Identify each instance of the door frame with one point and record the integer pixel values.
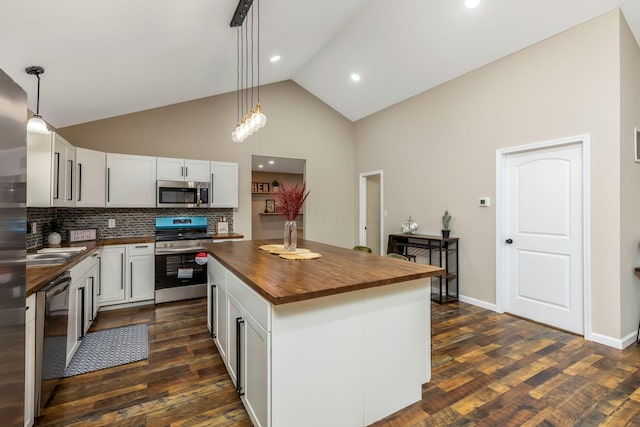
(501, 216)
(362, 233)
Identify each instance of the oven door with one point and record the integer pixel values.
(180, 269)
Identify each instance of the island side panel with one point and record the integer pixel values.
(350, 359)
(397, 340)
(317, 354)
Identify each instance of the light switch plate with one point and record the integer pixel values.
(484, 202)
(112, 223)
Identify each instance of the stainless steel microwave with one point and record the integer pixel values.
(182, 194)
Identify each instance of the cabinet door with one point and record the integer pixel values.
(90, 304)
(30, 362)
(75, 325)
(141, 278)
(170, 169)
(91, 175)
(234, 316)
(112, 280)
(131, 181)
(59, 172)
(39, 170)
(71, 178)
(255, 376)
(221, 323)
(196, 170)
(224, 185)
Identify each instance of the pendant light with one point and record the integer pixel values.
(36, 124)
(249, 119)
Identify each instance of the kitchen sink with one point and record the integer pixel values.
(49, 258)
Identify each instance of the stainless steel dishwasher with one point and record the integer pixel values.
(52, 314)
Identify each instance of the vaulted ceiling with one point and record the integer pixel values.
(105, 58)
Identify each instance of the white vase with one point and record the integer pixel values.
(54, 239)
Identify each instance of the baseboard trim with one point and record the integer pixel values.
(620, 344)
(477, 302)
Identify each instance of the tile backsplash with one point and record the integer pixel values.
(130, 222)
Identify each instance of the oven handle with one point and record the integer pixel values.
(169, 251)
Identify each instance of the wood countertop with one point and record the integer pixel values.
(38, 276)
(282, 281)
(224, 236)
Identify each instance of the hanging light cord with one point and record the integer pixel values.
(237, 74)
(258, 51)
(38, 98)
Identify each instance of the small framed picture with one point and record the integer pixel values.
(270, 206)
(636, 144)
(222, 227)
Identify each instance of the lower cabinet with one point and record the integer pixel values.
(126, 274)
(243, 341)
(85, 279)
(30, 362)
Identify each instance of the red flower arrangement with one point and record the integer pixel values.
(289, 199)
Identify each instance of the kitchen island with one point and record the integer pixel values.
(340, 340)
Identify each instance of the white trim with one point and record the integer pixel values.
(477, 302)
(362, 234)
(501, 160)
(618, 343)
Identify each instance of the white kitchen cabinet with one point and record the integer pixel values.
(141, 284)
(51, 178)
(91, 178)
(256, 360)
(234, 325)
(131, 181)
(127, 274)
(30, 362)
(217, 305)
(75, 325)
(224, 185)
(249, 347)
(171, 169)
(112, 275)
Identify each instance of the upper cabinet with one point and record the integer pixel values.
(51, 177)
(91, 178)
(131, 181)
(170, 169)
(224, 185)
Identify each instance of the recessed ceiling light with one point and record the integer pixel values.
(471, 4)
(355, 77)
(271, 162)
(275, 58)
(260, 166)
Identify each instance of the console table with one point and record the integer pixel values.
(441, 251)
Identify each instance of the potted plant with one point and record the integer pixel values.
(275, 185)
(55, 227)
(288, 203)
(446, 224)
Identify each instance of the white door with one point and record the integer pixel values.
(543, 241)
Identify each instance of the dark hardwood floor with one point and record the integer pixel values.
(488, 370)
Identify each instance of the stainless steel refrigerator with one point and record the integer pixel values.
(13, 221)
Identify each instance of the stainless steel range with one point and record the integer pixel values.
(178, 274)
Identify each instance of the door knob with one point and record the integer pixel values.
(508, 241)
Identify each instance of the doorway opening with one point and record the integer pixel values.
(371, 222)
(265, 172)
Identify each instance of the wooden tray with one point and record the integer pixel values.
(302, 256)
(279, 249)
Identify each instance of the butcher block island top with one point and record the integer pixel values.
(339, 270)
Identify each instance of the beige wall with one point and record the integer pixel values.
(629, 181)
(299, 126)
(272, 226)
(438, 150)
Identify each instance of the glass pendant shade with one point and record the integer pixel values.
(37, 125)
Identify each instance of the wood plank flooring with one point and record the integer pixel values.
(488, 370)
